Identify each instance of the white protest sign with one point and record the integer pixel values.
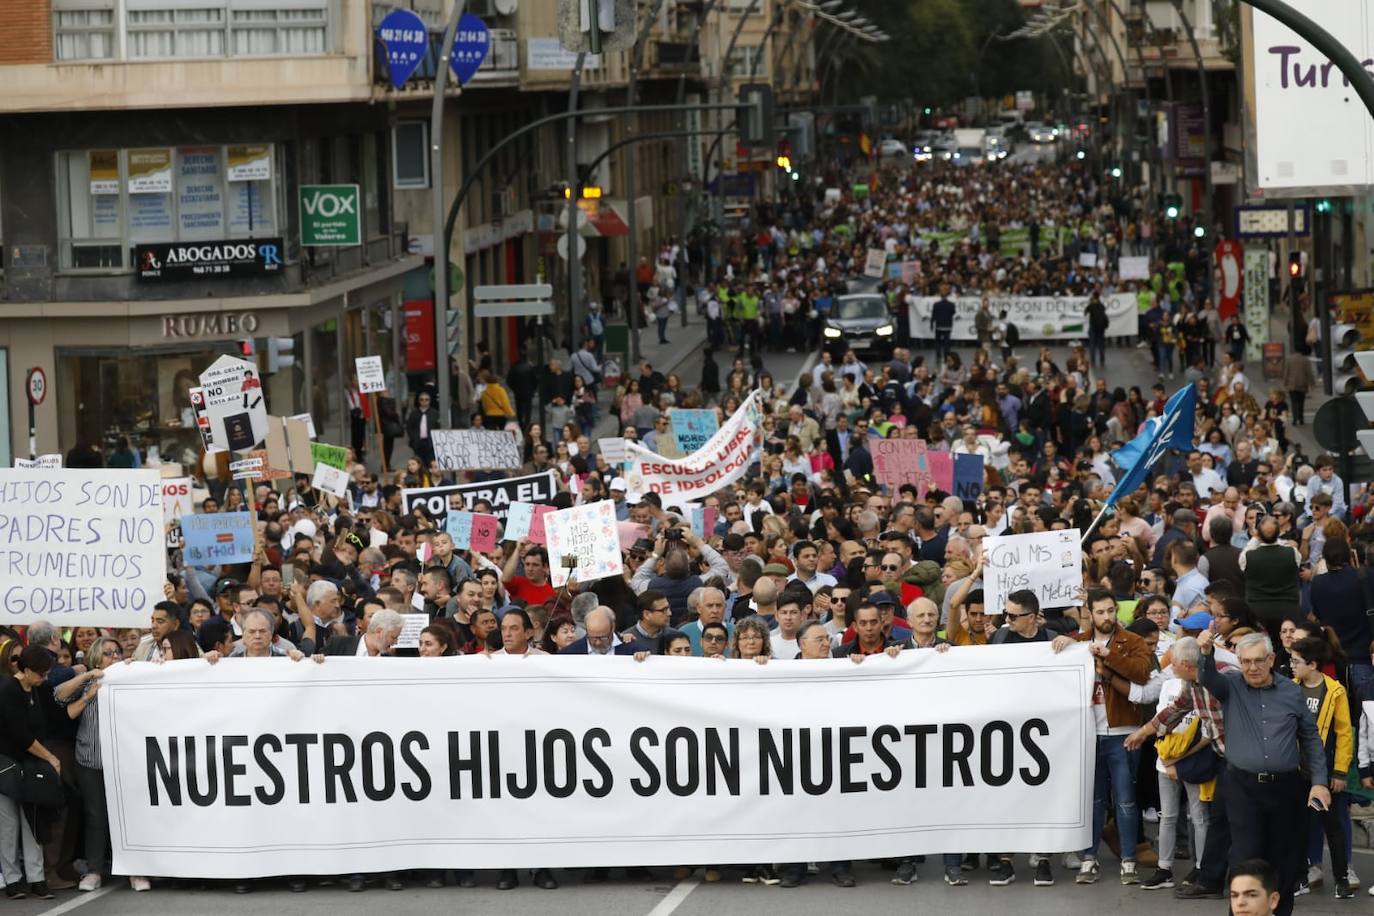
(371, 376)
(1005, 761)
(463, 449)
(234, 403)
(613, 450)
(1087, 259)
(589, 533)
(330, 480)
(1035, 317)
(1134, 267)
(1048, 563)
(308, 420)
(176, 498)
(874, 262)
(411, 625)
(82, 547)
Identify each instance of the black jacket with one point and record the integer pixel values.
(341, 645)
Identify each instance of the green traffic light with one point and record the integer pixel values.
(1324, 205)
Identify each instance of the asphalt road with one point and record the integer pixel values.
(875, 895)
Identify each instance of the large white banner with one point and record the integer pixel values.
(81, 547)
(717, 464)
(1035, 317)
(259, 767)
(1311, 130)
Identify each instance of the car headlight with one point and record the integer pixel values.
(885, 331)
(833, 333)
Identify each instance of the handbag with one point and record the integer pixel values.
(31, 782)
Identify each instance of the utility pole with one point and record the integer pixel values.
(441, 238)
(574, 195)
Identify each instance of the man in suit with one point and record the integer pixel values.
(601, 638)
(382, 631)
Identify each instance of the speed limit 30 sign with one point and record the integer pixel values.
(37, 385)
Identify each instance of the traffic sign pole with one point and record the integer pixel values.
(37, 384)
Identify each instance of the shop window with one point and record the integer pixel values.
(410, 154)
(110, 200)
(83, 29)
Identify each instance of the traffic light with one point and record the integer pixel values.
(1173, 205)
(785, 163)
(755, 117)
(1365, 360)
(1199, 231)
(280, 353)
(246, 348)
(1324, 205)
(1295, 265)
(1344, 339)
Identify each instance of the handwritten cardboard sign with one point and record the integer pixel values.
(465, 449)
(1048, 563)
(588, 533)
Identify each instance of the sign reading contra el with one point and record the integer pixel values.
(331, 214)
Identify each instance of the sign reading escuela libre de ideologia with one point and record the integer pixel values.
(197, 260)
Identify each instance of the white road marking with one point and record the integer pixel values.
(668, 904)
(82, 900)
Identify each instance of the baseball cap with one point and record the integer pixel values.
(224, 583)
(877, 599)
(776, 569)
(618, 483)
(1197, 621)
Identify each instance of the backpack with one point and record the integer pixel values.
(1012, 336)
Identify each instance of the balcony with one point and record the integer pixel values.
(676, 55)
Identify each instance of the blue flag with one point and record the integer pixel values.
(1173, 430)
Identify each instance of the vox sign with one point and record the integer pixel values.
(331, 214)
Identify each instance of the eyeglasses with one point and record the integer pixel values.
(1010, 616)
(713, 637)
(886, 568)
(110, 653)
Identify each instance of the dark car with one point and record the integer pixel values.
(859, 322)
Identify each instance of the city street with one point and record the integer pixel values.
(874, 896)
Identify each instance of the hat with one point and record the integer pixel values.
(642, 545)
(223, 584)
(618, 483)
(878, 599)
(1200, 620)
(776, 569)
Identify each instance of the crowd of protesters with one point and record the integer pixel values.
(1233, 578)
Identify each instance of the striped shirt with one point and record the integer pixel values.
(87, 729)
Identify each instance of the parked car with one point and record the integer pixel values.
(891, 148)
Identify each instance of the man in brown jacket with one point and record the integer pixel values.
(1298, 378)
(1117, 653)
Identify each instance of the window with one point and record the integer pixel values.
(83, 29)
(742, 62)
(410, 154)
(171, 29)
(110, 200)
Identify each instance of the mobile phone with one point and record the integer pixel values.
(288, 574)
(1316, 805)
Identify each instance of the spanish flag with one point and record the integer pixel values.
(865, 144)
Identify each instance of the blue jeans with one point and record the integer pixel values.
(1114, 778)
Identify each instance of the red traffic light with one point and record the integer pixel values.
(246, 349)
(1295, 264)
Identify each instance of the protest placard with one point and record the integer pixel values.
(613, 450)
(999, 753)
(330, 479)
(371, 376)
(266, 471)
(901, 461)
(968, 477)
(176, 498)
(941, 466)
(537, 534)
(412, 625)
(873, 263)
(589, 534)
(1048, 563)
(1134, 267)
(501, 494)
(307, 420)
(704, 520)
(629, 532)
(518, 521)
(692, 429)
(246, 468)
(485, 529)
(336, 456)
(40, 463)
(82, 547)
(459, 527)
(470, 449)
(719, 463)
(217, 537)
(234, 403)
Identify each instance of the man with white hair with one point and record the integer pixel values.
(323, 617)
(382, 631)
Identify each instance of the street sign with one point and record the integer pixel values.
(404, 39)
(514, 300)
(470, 46)
(38, 386)
(234, 403)
(563, 246)
(371, 376)
(331, 214)
(1269, 221)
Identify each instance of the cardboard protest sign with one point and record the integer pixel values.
(968, 477)
(468, 449)
(941, 470)
(266, 471)
(502, 494)
(537, 534)
(40, 463)
(246, 468)
(459, 527)
(704, 520)
(518, 521)
(216, 538)
(692, 429)
(371, 376)
(1048, 563)
(485, 529)
(412, 625)
(307, 421)
(82, 547)
(873, 263)
(234, 403)
(589, 534)
(901, 461)
(176, 498)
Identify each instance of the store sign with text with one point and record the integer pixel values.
(198, 260)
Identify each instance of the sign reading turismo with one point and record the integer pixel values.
(197, 260)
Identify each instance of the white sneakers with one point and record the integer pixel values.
(139, 883)
(89, 882)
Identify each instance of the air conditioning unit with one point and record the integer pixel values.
(489, 9)
(505, 50)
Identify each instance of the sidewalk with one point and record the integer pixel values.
(683, 343)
